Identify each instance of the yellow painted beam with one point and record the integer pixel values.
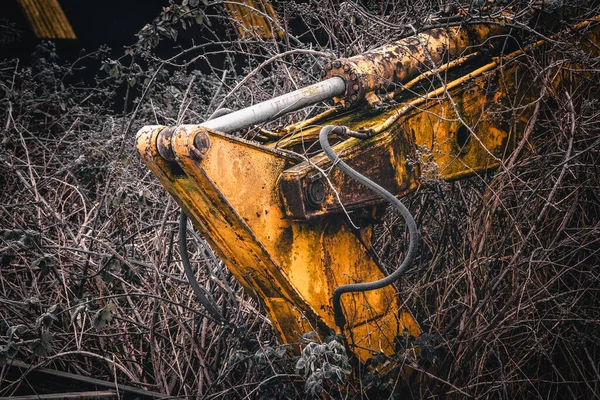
(47, 19)
(254, 19)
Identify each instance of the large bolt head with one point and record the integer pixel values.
(164, 144)
(201, 145)
(315, 193)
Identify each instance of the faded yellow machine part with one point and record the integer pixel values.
(254, 19)
(382, 68)
(250, 202)
(461, 129)
(47, 19)
(292, 266)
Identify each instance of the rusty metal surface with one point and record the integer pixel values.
(379, 69)
(433, 128)
(231, 194)
(451, 133)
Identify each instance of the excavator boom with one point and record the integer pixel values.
(275, 216)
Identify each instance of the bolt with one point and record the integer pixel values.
(355, 87)
(353, 77)
(346, 68)
(201, 145)
(315, 193)
(337, 64)
(329, 66)
(164, 144)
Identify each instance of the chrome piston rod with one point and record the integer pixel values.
(267, 110)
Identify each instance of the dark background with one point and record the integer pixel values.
(110, 22)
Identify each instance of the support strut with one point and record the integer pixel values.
(278, 106)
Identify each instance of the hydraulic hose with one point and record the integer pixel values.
(340, 319)
(200, 293)
(208, 304)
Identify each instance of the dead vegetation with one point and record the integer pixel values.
(91, 279)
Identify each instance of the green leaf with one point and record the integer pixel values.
(44, 263)
(200, 18)
(104, 316)
(111, 270)
(310, 337)
(301, 364)
(43, 347)
(328, 370)
(8, 351)
(114, 72)
(16, 330)
(120, 196)
(46, 319)
(32, 302)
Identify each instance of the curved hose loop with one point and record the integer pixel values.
(340, 319)
(201, 295)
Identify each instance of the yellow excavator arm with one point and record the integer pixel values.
(276, 217)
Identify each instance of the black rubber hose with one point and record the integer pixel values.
(207, 303)
(340, 319)
(203, 299)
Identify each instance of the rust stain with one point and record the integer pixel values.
(379, 69)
